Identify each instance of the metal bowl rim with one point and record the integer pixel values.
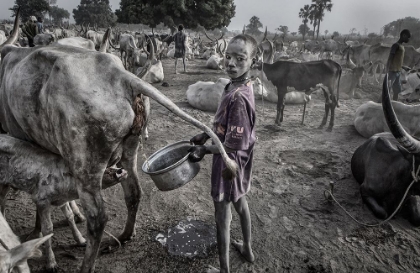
(167, 169)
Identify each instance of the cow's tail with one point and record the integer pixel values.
(340, 70)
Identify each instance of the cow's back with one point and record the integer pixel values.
(57, 95)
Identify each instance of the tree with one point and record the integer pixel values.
(352, 31)
(30, 8)
(209, 14)
(326, 32)
(284, 30)
(336, 34)
(395, 27)
(305, 13)
(293, 34)
(372, 35)
(319, 7)
(58, 14)
(303, 29)
(254, 26)
(94, 12)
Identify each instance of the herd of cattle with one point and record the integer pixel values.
(77, 105)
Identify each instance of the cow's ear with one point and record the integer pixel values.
(404, 152)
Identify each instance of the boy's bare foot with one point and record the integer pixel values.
(211, 269)
(246, 253)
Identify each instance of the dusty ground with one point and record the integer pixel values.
(294, 228)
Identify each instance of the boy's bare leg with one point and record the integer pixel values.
(241, 207)
(183, 61)
(223, 217)
(176, 62)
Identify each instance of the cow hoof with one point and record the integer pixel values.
(329, 129)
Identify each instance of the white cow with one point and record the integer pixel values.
(44, 39)
(369, 118)
(206, 96)
(77, 42)
(13, 254)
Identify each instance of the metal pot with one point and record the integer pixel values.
(170, 167)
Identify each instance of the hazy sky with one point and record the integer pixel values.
(346, 14)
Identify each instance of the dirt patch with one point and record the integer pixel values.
(294, 228)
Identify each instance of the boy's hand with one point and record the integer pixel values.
(199, 139)
(197, 153)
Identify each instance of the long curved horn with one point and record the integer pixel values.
(243, 30)
(145, 50)
(265, 35)
(349, 62)
(205, 33)
(15, 32)
(408, 142)
(139, 86)
(152, 50)
(105, 41)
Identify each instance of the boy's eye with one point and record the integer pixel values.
(240, 59)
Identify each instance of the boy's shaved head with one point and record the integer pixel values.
(247, 40)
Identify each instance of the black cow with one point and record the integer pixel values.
(303, 77)
(383, 165)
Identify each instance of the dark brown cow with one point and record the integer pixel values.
(303, 77)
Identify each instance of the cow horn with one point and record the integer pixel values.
(145, 50)
(152, 50)
(243, 30)
(349, 62)
(265, 35)
(15, 32)
(408, 142)
(205, 33)
(105, 41)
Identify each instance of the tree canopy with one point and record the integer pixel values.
(30, 8)
(305, 14)
(319, 7)
(210, 14)
(94, 12)
(303, 30)
(58, 14)
(395, 27)
(254, 26)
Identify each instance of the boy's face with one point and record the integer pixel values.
(405, 38)
(238, 59)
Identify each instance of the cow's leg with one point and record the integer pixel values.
(324, 119)
(68, 213)
(131, 186)
(79, 217)
(371, 202)
(280, 107)
(412, 210)
(331, 125)
(89, 190)
(44, 211)
(36, 232)
(375, 67)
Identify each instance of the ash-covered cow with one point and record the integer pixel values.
(13, 254)
(369, 118)
(206, 96)
(82, 105)
(383, 167)
(49, 182)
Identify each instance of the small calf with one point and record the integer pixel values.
(46, 177)
(13, 254)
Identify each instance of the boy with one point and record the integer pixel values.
(180, 40)
(234, 124)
